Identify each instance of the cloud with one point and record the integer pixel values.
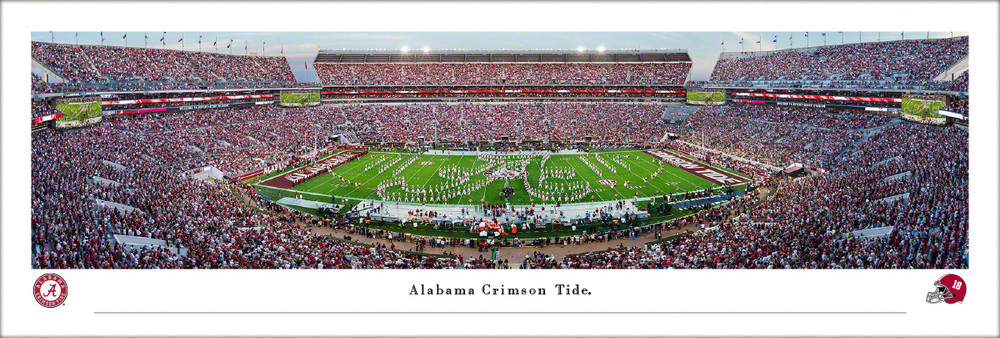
(747, 36)
(298, 50)
(372, 36)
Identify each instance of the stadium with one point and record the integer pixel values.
(841, 156)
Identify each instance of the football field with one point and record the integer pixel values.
(76, 111)
(300, 99)
(707, 98)
(475, 179)
(922, 107)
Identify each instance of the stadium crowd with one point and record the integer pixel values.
(71, 229)
(445, 74)
(958, 105)
(185, 105)
(959, 84)
(40, 109)
(123, 176)
(782, 135)
(907, 176)
(110, 68)
(803, 226)
(863, 65)
(234, 140)
(606, 92)
(605, 123)
(85, 63)
(151, 86)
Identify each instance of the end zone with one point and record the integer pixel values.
(293, 178)
(696, 168)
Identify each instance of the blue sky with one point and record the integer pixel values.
(301, 47)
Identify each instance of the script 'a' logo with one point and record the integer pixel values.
(50, 290)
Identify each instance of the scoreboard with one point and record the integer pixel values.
(924, 108)
(706, 97)
(299, 98)
(78, 111)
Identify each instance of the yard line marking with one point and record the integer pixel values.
(652, 180)
(401, 161)
(599, 177)
(371, 177)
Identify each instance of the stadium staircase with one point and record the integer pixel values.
(48, 71)
(39, 127)
(254, 60)
(665, 136)
(954, 71)
(894, 158)
(757, 163)
(114, 165)
(867, 133)
(118, 206)
(215, 76)
(353, 138)
(90, 64)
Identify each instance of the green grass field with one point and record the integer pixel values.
(76, 111)
(300, 99)
(711, 98)
(422, 173)
(922, 108)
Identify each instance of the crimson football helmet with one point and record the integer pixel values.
(950, 289)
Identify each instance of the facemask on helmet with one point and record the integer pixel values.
(939, 294)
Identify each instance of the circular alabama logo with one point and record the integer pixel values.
(505, 173)
(426, 163)
(50, 290)
(607, 182)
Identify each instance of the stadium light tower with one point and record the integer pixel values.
(579, 49)
(426, 49)
(600, 49)
(404, 49)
